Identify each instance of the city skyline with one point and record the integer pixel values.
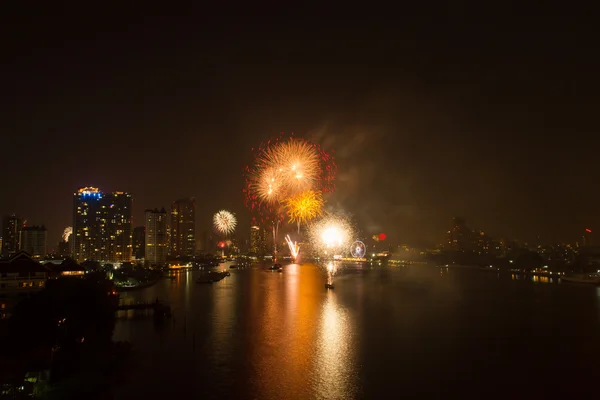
(583, 237)
(426, 122)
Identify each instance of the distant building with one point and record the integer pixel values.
(157, 244)
(64, 249)
(34, 241)
(139, 242)
(258, 245)
(183, 228)
(11, 235)
(101, 226)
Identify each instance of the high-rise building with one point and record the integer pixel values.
(183, 228)
(11, 234)
(258, 245)
(101, 225)
(139, 242)
(157, 243)
(34, 241)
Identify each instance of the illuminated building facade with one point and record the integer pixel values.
(11, 235)
(157, 243)
(139, 242)
(101, 226)
(258, 244)
(34, 240)
(183, 228)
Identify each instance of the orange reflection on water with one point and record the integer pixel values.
(333, 373)
(287, 316)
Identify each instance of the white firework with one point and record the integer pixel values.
(67, 233)
(224, 222)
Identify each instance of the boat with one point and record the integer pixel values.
(329, 286)
(233, 266)
(276, 267)
(593, 278)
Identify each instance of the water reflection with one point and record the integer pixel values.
(333, 361)
(265, 335)
(532, 278)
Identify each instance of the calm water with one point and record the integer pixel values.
(383, 332)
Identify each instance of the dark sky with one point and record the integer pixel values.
(488, 114)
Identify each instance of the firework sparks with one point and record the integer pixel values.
(298, 162)
(224, 222)
(67, 233)
(331, 235)
(304, 207)
(331, 271)
(294, 247)
(285, 167)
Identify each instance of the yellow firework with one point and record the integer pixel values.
(304, 207)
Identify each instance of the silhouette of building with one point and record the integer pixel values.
(183, 228)
(34, 241)
(157, 244)
(11, 235)
(64, 249)
(102, 226)
(139, 242)
(21, 274)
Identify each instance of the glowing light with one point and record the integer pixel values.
(382, 236)
(304, 207)
(67, 233)
(588, 230)
(221, 245)
(358, 249)
(331, 271)
(331, 234)
(224, 222)
(294, 247)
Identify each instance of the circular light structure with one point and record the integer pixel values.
(382, 236)
(358, 249)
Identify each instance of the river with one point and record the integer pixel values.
(383, 332)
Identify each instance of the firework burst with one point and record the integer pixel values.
(304, 207)
(298, 163)
(284, 167)
(224, 222)
(67, 233)
(331, 235)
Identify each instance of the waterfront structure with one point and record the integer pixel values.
(22, 274)
(139, 242)
(65, 269)
(11, 235)
(183, 228)
(157, 244)
(34, 240)
(102, 225)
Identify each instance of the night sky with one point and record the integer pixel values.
(488, 114)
